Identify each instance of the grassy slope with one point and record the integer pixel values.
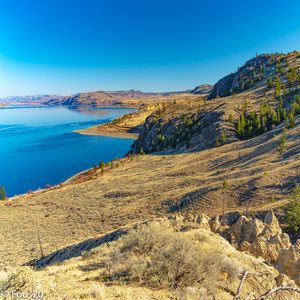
(154, 185)
(149, 185)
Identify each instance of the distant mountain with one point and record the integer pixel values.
(96, 98)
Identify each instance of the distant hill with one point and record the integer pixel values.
(95, 98)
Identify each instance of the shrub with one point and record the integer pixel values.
(225, 184)
(223, 137)
(157, 256)
(18, 280)
(278, 87)
(282, 145)
(2, 193)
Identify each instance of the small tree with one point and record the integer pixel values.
(278, 87)
(2, 193)
(270, 82)
(225, 184)
(292, 120)
(102, 170)
(282, 145)
(142, 152)
(223, 137)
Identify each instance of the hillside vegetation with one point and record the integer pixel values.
(235, 152)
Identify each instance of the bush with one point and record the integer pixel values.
(157, 256)
(18, 280)
(2, 193)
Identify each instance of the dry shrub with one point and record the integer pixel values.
(157, 256)
(193, 293)
(17, 280)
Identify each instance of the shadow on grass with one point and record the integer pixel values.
(76, 250)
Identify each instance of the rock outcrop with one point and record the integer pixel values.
(259, 238)
(244, 78)
(288, 261)
(202, 89)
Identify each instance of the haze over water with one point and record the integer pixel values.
(38, 145)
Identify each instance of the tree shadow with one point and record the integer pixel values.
(76, 250)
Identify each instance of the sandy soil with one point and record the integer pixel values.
(119, 132)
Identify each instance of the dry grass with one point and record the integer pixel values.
(156, 260)
(148, 186)
(157, 256)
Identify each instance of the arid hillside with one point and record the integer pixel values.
(138, 187)
(234, 153)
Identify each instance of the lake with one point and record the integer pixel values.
(38, 145)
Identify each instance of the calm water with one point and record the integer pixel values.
(38, 145)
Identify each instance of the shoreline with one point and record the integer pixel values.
(106, 129)
(111, 131)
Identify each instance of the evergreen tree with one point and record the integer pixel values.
(292, 75)
(278, 87)
(280, 110)
(270, 82)
(2, 193)
(223, 137)
(292, 120)
(282, 145)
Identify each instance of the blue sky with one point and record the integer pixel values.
(69, 46)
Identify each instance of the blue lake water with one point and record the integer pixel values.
(38, 145)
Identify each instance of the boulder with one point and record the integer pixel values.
(284, 280)
(273, 222)
(246, 230)
(215, 224)
(288, 262)
(203, 221)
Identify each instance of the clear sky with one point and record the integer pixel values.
(68, 46)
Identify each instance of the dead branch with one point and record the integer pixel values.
(249, 296)
(238, 292)
(278, 289)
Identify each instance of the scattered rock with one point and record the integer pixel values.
(203, 221)
(215, 224)
(271, 220)
(288, 262)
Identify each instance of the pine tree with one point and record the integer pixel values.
(223, 137)
(270, 82)
(282, 145)
(239, 128)
(280, 110)
(278, 87)
(2, 193)
(292, 121)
